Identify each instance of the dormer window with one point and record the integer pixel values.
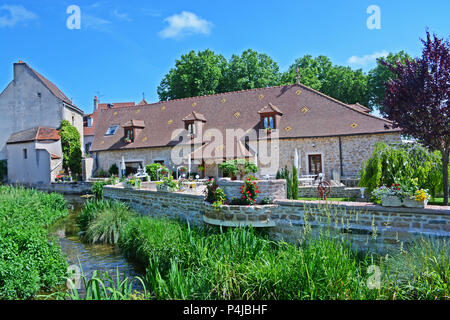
(192, 129)
(269, 122)
(132, 129)
(129, 135)
(270, 117)
(193, 123)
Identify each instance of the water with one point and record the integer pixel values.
(100, 257)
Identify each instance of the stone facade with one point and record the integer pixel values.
(143, 156)
(367, 226)
(355, 150)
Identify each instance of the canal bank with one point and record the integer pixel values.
(90, 257)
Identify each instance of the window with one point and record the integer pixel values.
(89, 122)
(315, 163)
(112, 130)
(73, 120)
(159, 161)
(87, 147)
(269, 122)
(25, 154)
(129, 135)
(191, 128)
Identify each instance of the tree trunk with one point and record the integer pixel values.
(445, 156)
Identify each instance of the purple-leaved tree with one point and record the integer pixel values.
(417, 99)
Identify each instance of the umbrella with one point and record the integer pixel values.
(189, 165)
(256, 159)
(122, 166)
(296, 159)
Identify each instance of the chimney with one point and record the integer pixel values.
(95, 103)
(18, 68)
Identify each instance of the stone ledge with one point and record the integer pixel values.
(364, 207)
(232, 223)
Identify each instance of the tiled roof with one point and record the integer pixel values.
(194, 116)
(33, 134)
(306, 113)
(134, 123)
(270, 108)
(90, 131)
(220, 152)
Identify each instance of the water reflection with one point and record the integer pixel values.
(100, 257)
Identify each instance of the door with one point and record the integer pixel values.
(315, 163)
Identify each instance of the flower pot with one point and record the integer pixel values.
(412, 203)
(161, 187)
(391, 201)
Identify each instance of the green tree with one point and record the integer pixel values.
(71, 147)
(339, 82)
(313, 71)
(194, 74)
(250, 70)
(381, 74)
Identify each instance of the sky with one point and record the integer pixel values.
(121, 50)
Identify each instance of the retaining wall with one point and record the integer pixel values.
(274, 189)
(336, 192)
(367, 226)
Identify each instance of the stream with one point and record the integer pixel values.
(100, 257)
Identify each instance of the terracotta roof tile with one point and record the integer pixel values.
(325, 116)
(33, 134)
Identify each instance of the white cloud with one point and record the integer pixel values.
(367, 59)
(121, 16)
(92, 22)
(184, 24)
(16, 14)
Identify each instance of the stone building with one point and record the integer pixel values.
(329, 136)
(30, 107)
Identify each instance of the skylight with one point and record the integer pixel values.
(112, 130)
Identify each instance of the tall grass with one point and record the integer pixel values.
(241, 263)
(104, 220)
(101, 287)
(29, 259)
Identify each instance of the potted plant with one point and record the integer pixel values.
(127, 140)
(418, 200)
(269, 130)
(389, 196)
(167, 184)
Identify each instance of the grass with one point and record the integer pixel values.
(29, 259)
(436, 201)
(103, 221)
(241, 263)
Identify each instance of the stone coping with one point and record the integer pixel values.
(225, 223)
(228, 181)
(367, 206)
(177, 194)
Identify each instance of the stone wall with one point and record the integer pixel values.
(367, 226)
(336, 192)
(355, 150)
(179, 206)
(274, 189)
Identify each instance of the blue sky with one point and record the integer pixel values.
(124, 48)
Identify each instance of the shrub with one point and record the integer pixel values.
(401, 162)
(294, 183)
(97, 189)
(152, 170)
(266, 200)
(114, 170)
(104, 220)
(29, 261)
(101, 173)
(249, 191)
(241, 166)
(210, 190)
(71, 147)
